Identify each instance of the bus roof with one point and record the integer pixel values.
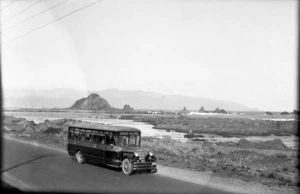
(100, 126)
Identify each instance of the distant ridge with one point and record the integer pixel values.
(150, 100)
(64, 98)
(92, 102)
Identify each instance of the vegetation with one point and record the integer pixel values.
(275, 167)
(219, 126)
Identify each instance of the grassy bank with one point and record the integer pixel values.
(270, 167)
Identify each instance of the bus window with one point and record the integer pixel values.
(130, 140)
(122, 140)
(98, 139)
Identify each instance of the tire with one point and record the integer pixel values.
(79, 157)
(127, 167)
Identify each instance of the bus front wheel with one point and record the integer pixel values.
(79, 157)
(127, 167)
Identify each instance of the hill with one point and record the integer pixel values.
(92, 102)
(150, 100)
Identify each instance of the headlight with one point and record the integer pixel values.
(136, 154)
(150, 154)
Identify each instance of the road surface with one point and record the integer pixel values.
(40, 169)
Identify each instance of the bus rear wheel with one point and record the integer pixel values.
(79, 157)
(127, 167)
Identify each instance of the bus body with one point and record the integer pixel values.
(110, 145)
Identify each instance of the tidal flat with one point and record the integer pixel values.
(225, 126)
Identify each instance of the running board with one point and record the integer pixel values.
(112, 165)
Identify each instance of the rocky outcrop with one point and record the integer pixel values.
(284, 113)
(184, 111)
(18, 125)
(275, 144)
(92, 102)
(220, 111)
(217, 110)
(127, 108)
(202, 110)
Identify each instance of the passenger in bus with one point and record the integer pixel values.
(101, 140)
(125, 141)
(82, 137)
(95, 139)
(88, 138)
(110, 140)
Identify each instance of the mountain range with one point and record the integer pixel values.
(138, 99)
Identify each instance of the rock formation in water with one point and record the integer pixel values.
(92, 102)
(127, 108)
(284, 113)
(220, 111)
(202, 109)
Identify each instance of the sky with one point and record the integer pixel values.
(244, 51)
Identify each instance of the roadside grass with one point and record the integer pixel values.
(247, 165)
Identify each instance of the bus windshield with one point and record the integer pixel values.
(128, 140)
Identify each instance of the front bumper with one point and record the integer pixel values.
(149, 166)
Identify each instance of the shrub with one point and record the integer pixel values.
(51, 130)
(279, 155)
(284, 113)
(272, 175)
(224, 167)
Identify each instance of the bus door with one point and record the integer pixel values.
(110, 153)
(97, 147)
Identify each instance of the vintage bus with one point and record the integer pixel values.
(114, 146)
